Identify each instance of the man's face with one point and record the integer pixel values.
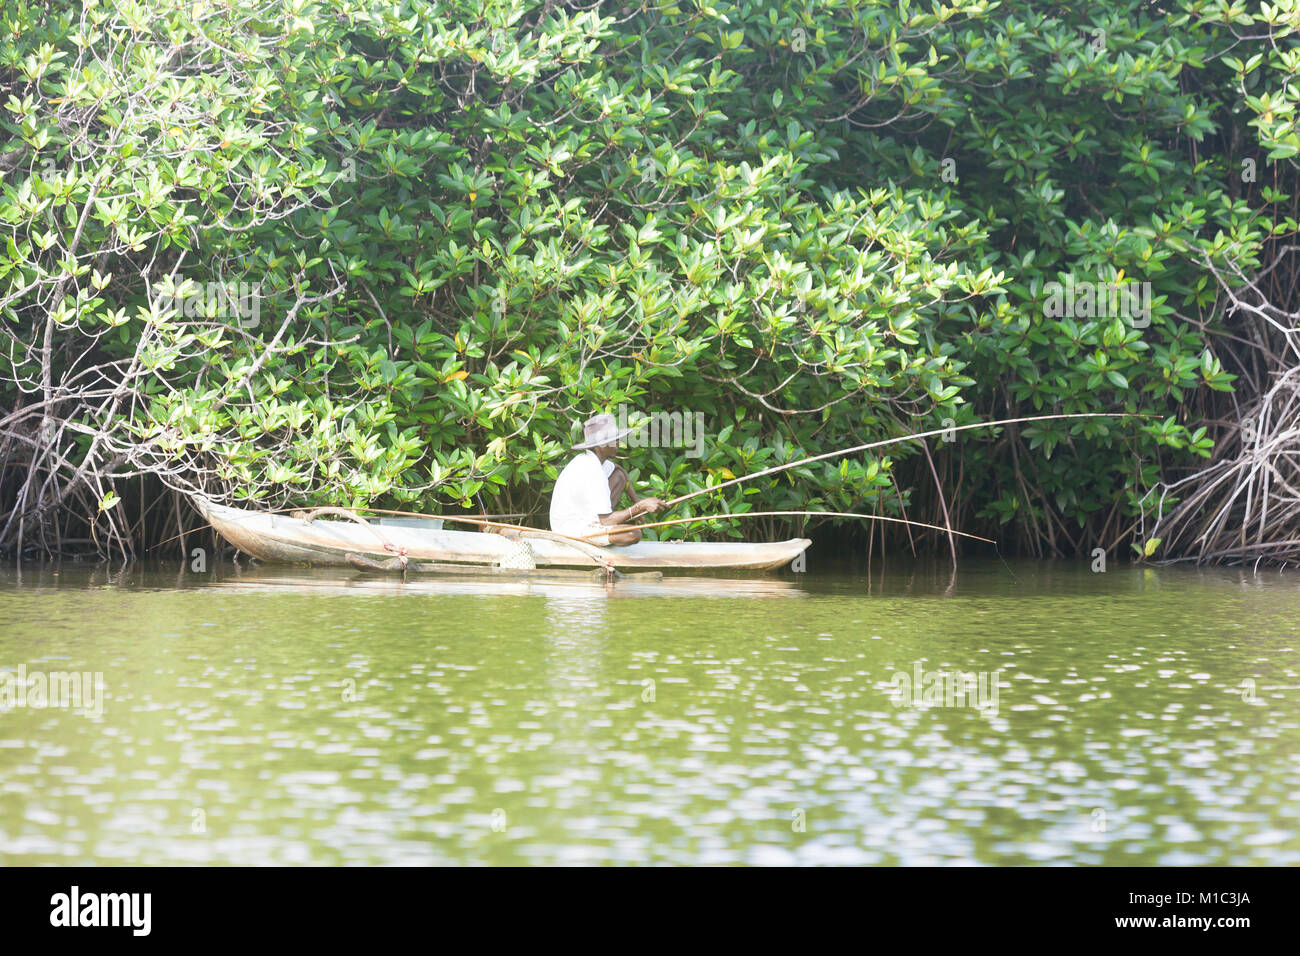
(606, 452)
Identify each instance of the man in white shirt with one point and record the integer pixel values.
(591, 484)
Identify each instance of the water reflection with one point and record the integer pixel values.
(1144, 716)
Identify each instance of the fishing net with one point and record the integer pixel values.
(519, 557)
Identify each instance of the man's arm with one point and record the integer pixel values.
(619, 482)
(620, 476)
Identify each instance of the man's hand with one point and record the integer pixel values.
(648, 506)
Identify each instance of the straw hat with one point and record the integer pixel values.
(601, 430)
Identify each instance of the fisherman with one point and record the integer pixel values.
(592, 484)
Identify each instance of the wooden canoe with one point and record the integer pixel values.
(427, 546)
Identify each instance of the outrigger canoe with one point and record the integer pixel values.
(422, 544)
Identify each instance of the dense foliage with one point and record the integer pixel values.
(463, 227)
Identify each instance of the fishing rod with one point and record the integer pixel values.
(769, 514)
(771, 471)
(893, 441)
(614, 529)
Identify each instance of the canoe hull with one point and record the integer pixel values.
(280, 538)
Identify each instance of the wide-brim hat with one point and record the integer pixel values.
(601, 430)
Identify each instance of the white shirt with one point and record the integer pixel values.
(581, 495)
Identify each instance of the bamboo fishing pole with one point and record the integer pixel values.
(770, 514)
(774, 470)
(614, 529)
(893, 441)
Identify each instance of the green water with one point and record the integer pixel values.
(285, 716)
